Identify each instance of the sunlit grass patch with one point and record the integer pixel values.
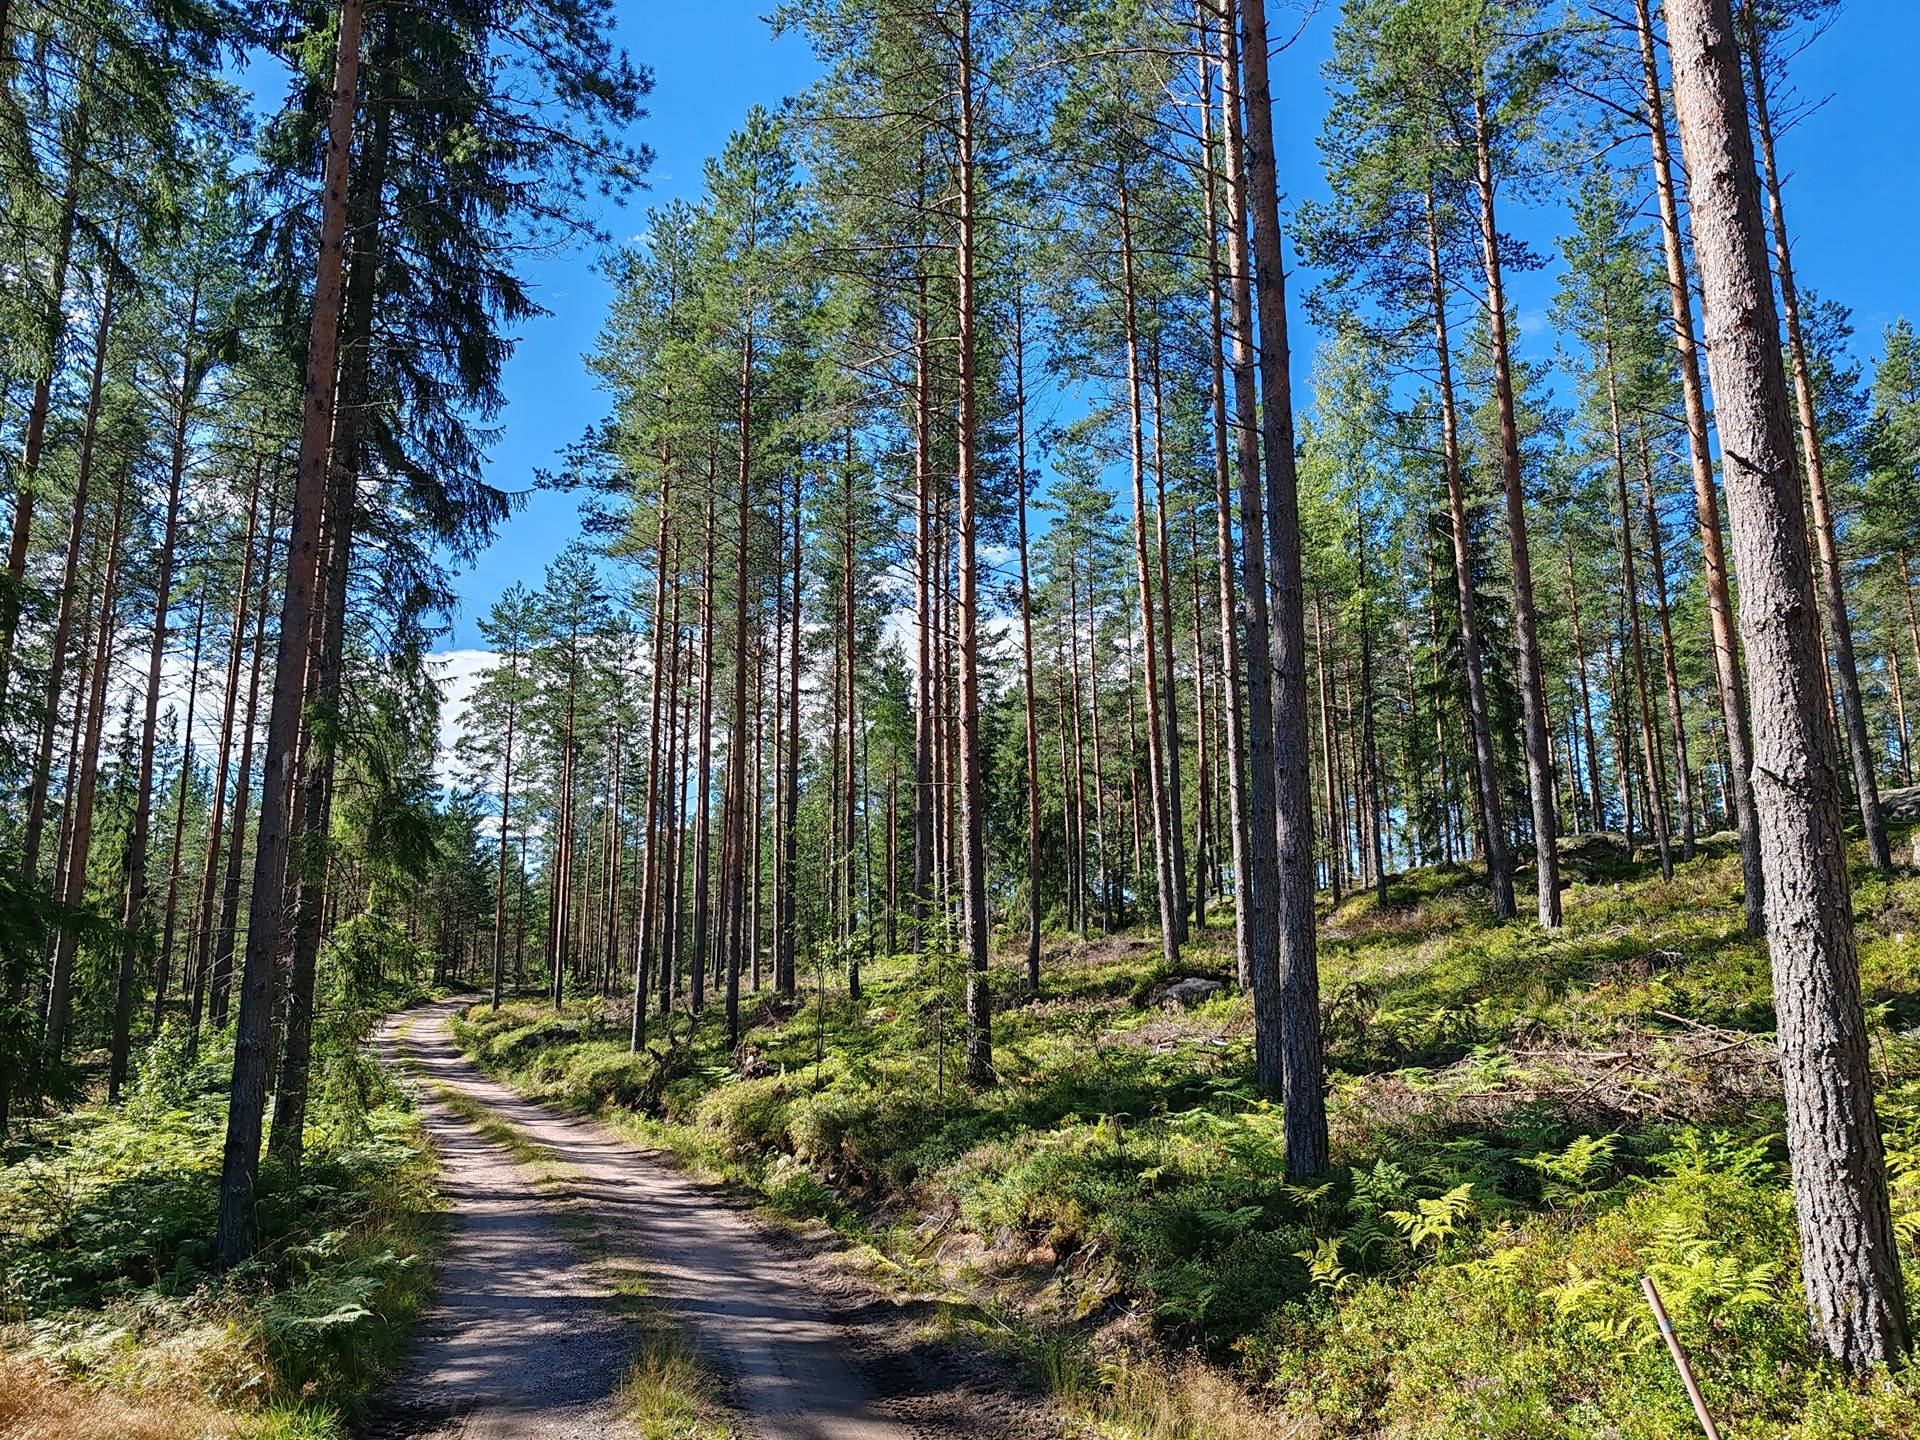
(669, 1393)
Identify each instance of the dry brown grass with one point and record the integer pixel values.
(37, 1403)
(1187, 1401)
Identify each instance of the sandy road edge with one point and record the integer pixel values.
(665, 1379)
(936, 1385)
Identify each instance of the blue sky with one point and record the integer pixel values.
(711, 61)
(1853, 208)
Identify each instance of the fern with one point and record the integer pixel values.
(1572, 1176)
(1324, 1267)
(1229, 1222)
(1435, 1221)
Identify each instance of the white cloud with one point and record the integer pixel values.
(458, 672)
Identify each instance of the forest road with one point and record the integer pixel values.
(524, 1342)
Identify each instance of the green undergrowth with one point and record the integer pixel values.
(114, 1317)
(1524, 1124)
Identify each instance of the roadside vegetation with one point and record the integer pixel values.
(115, 1317)
(1523, 1125)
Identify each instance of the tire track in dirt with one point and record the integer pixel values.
(522, 1341)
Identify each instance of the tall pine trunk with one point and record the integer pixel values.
(246, 1105)
(1586, 700)
(1630, 597)
(703, 771)
(1170, 742)
(506, 814)
(133, 933)
(1330, 780)
(1849, 1259)
(1258, 897)
(972, 769)
(220, 967)
(1493, 827)
(200, 941)
(1172, 918)
(38, 408)
(1302, 1084)
(311, 858)
(1669, 662)
(1832, 574)
(1229, 599)
(734, 866)
(925, 725)
(1729, 679)
(786, 967)
(1533, 701)
(72, 891)
(163, 966)
(1032, 725)
(650, 804)
(63, 616)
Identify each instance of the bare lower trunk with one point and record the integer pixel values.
(1630, 593)
(220, 967)
(1369, 744)
(1586, 699)
(1849, 1259)
(1032, 736)
(1170, 742)
(786, 978)
(72, 892)
(201, 943)
(703, 781)
(1330, 780)
(506, 812)
(183, 785)
(925, 729)
(1204, 780)
(650, 804)
(1669, 662)
(850, 707)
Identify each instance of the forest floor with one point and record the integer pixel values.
(586, 1282)
(114, 1319)
(1523, 1125)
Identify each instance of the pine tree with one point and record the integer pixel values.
(1848, 1257)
